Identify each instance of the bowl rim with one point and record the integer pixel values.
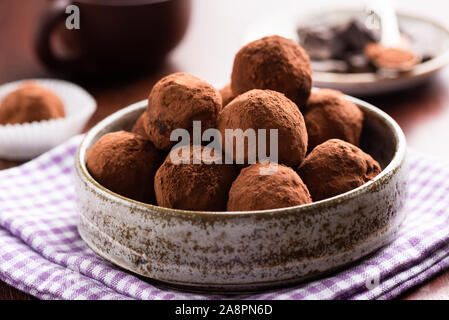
(395, 163)
(422, 70)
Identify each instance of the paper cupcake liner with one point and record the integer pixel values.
(28, 140)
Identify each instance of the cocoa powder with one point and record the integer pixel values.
(267, 109)
(191, 186)
(254, 191)
(125, 163)
(175, 102)
(139, 125)
(274, 63)
(329, 115)
(29, 103)
(335, 167)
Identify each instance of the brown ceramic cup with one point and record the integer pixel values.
(114, 35)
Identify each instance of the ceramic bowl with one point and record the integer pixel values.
(362, 84)
(245, 251)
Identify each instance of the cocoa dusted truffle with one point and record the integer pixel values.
(255, 191)
(138, 126)
(175, 102)
(196, 183)
(391, 58)
(29, 103)
(266, 109)
(329, 115)
(317, 96)
(335, 167)
(227, 95)
(125, 163)
(273, 63)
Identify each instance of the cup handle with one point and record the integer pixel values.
(54, 15)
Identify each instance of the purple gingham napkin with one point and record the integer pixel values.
(41, 252)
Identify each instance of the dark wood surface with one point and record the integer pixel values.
(207, 51)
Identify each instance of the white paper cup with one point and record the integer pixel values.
(28, 140)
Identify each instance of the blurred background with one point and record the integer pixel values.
(214, 33)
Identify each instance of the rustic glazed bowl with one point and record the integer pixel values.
(245, 251)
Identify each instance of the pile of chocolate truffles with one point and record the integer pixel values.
(318, 137)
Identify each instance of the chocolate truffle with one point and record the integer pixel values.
(125, 163)
(227, 95)
(335, 167)
(329, 115)
(175, 102)
(391, 58)
(138, 126)
(266, 109)
(273, 63)
(194, 184)
(255, 191)
(29, 103)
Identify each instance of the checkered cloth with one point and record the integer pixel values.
(41, 252)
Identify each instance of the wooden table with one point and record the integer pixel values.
(207, 51)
